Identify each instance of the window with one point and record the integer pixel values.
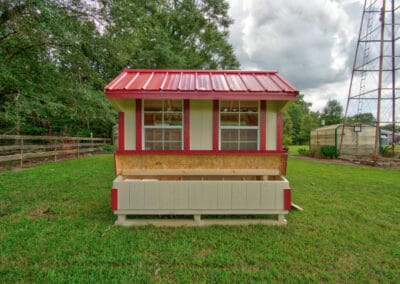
(239, 125)
(163, 124)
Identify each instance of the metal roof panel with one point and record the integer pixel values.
(219, 82)
(251, 83)
(155, 83)
(205, 84)
(172, 81)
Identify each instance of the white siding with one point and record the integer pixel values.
(130, 125)
(201, 125)
(175, 197)
(271, 125)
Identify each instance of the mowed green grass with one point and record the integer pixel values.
(56, 227)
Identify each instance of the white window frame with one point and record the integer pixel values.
(239, 127)
(162, 126)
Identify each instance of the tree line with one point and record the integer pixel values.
(299, 120)
(57, 55)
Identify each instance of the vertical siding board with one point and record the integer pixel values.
(151, 195)
(210, 196)
(129, 124)
(181, 196)
(166, 195)
(201, 125)
(137, 195)
(123, 196)
(253, 200)
(225, 196)
(268, 192)
(238, 196)
(271, 126)
(279, 198)
(195, 196)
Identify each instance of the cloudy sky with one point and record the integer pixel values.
(310, 42)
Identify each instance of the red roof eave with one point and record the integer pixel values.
(200, 84)
(198, 95)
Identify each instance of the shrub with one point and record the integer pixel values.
(328, 152)
(108, 148)
(303, 152)
(386, 151)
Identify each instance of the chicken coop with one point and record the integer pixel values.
(200, 143)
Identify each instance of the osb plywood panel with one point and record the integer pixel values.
(212, 161)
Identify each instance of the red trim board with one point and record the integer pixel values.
(263, 130)
(121, 131)
(138, 125)
(215, 125)
(201, 152)
(186, 125)
(279, 132)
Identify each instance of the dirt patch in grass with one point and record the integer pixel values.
(41, 212)
(382, 163)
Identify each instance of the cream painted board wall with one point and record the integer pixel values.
(272, 110)
(130, 124)
(224, 196)
(201, 125)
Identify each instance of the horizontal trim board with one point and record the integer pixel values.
(202, 96)
(202, 152)
(200, 172)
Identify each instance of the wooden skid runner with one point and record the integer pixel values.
(198, 222)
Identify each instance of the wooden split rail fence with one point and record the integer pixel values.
(25, 147)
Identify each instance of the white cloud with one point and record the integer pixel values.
(310, 42)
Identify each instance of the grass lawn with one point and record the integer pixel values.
(56, 226)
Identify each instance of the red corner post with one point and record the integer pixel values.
(215, 125)
(121, 131)
(279, 134)
(114, 199)
(287, 199)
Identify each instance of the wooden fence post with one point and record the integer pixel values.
(21, 152)
(78, 144)
(55, 150)
(91, 140)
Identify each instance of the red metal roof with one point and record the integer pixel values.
(200, 84)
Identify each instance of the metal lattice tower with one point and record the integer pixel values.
(374, 85)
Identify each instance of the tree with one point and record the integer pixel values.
(364, 118)
(56, 56)
(299, 121)
(332, 113)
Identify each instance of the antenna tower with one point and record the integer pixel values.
(374, 85)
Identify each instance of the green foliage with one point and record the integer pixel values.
(56, 226)
(386, 151)
(56, 56)
(299, 121)
(108, 148)
(332, 113)
(303, 152)
(364, 118)
(329, 152)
